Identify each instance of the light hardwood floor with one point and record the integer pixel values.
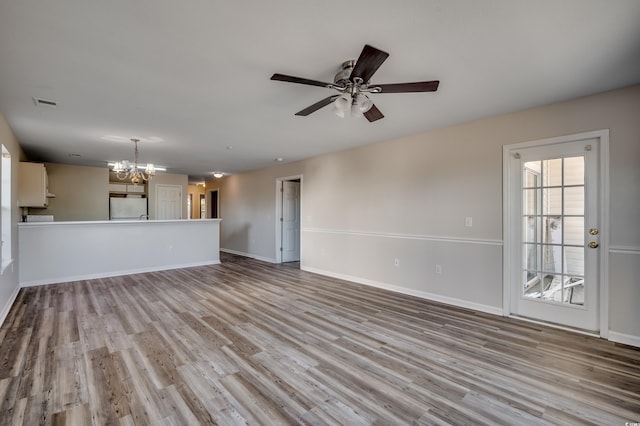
(247, 342)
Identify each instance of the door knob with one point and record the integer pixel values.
(593, 244)
(593, 231)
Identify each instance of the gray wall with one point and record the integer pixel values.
(82, 193)
(408, 198)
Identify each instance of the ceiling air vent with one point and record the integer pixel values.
(45, 103)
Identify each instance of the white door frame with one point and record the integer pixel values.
(279, 214)
(510, 227)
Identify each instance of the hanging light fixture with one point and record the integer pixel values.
(125, 170)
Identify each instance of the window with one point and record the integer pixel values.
(5, 210)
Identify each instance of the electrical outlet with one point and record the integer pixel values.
(438, 269)
(468, 221)
(396, 262)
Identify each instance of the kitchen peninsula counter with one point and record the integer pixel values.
(53, 252)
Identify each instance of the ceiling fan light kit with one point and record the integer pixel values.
(352, 81)
(347, 105)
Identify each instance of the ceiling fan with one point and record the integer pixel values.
(352, 81)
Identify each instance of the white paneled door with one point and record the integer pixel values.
(290, 221)
(168, 202)
(555, 232)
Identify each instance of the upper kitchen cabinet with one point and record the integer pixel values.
(33, 185)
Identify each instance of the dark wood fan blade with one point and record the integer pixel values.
(313, 108)
(373, 114)
(368, 63)
(299, 80)
(419, 86)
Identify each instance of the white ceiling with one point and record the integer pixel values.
(195, 73)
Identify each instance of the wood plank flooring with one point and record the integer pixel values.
(246, 342)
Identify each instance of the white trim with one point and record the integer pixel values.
(115, 273)
(7, 307)
(119, 222)
(603, 188)
(627, 339)
(278, 213)
(251, 256)
(403, 290)
(595, 134)
(507, 232)
(604, 231)
(445, 239)
(624, 250)
(556, 326)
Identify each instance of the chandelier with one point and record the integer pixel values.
(125, 170)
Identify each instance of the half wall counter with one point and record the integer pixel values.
(54, 252)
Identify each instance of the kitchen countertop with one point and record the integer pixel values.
(101, 222)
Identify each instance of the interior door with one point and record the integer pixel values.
(168, 202)
(290, 221)
(555, 275)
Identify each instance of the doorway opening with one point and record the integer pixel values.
(288, 222)
(213, 204)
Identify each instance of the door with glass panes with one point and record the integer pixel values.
(556, 238)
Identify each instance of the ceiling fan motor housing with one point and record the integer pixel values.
(342, 77)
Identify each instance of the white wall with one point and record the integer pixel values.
(70, 251)
(407, 199)
(9, 278)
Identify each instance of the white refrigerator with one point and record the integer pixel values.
(127, 208)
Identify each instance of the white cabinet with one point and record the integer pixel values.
(135, 189)
(33, 185)
(117, 187)
(123, 188)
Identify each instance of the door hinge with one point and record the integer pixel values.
(280, 248)
(281, 219)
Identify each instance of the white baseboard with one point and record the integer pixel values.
(114, 273)
(252, 256)
(7, 307)
(627, 339)
(417, 293)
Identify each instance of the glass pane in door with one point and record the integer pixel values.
(553, 230)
